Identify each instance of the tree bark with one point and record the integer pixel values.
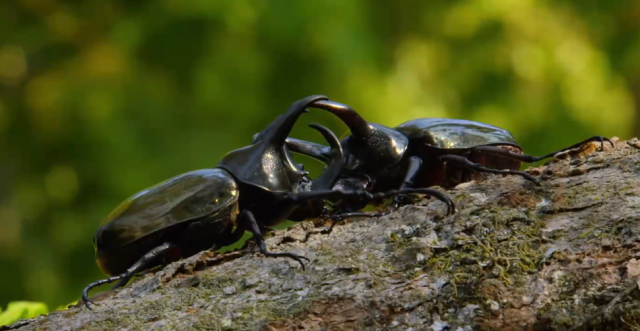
(513, 257)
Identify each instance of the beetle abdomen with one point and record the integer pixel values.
(209, 232)
(165, 213)
(180, 199)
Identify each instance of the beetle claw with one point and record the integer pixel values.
(87, 301)
(537, 182)
(602, 139)
(85, 297)
(298, 258)
(531, 178)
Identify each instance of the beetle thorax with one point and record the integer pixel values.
(376, 152)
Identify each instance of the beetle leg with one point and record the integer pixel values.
(414, 165)
(601, 139)
(366, 196)
(122, 282)
(530, 158)
(334, 195)
(142, 263)
(250, 223)
(338, 218)
(140, 274)
(236, 234)
(465, 163)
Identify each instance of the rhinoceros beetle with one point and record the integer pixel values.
(419, 153)
(251, 189)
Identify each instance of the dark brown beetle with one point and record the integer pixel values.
(251, 189)
(419, 153)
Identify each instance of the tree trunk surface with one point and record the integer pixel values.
(514, 257)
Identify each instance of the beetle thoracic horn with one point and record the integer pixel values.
(276, 133)
(332, 171)
(358, 126)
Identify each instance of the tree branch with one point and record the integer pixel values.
(514, 257)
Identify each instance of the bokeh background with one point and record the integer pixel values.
(100, 99)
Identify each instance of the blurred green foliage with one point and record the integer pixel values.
(21, 310)
(100, 99)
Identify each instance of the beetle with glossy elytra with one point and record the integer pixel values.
(253, 188)
(419, 153)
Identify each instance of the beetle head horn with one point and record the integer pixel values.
(358, 126)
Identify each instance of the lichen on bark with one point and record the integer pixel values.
(513, 257)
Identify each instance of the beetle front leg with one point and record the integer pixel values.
(414, 166)
(465, 163)
(365, 196)
(142, 263)
(250, 223)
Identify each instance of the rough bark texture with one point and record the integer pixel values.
(514, 257)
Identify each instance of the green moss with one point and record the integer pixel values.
(504, 243)
(585, 234)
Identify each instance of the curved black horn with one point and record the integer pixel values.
(332, 171)
(358, 126)
(254, 164)
(319, 152)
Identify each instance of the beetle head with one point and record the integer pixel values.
(370, 148)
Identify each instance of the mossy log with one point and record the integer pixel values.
(513, 257)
